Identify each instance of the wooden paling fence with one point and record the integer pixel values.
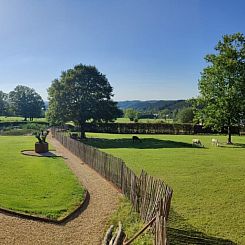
(150, 197)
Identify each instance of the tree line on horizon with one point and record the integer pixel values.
(84, 94)
(181, 114)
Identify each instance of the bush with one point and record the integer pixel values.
(15, 132)
(186, 115)
(23, 129)
(34, 126)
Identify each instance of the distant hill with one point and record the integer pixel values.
(149, 105)
(153, 105)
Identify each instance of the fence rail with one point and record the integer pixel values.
(149, 196)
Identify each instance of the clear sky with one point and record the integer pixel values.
(148, 49)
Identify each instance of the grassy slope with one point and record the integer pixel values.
(208, 182)
(41, 186)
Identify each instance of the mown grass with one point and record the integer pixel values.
(19, 119)
(44, 187)
(143, 120)
(208, 200)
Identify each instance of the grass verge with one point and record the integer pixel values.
(131, 223)
(43, 187)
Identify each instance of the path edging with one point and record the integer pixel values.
(48, 220)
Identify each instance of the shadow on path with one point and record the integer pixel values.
(78, 211)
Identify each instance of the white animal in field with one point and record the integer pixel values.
(215, 142)
(196, 142)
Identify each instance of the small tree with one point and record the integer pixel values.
(164, 114)
(3, 104)
(222, 85)
(26, 102)
(186, 115)
(131, 113)
(81, 94)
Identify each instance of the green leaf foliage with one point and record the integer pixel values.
(131, 113)
(81, 94)
(186, 115)
(3, 104)
(26, 102)
(222, 84)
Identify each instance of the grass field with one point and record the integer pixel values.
(208, 183)
(145, 120)
(19, 119)
(40, 186)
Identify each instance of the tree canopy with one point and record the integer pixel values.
(186, 115)
(131, 113)
(222, 85)
(26, 102)
(3, 103)
(81, 94)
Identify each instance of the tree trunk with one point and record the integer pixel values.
(229, 136)
(82, 131)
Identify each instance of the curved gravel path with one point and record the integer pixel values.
(87, 228)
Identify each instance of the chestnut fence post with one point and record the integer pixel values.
(149, 196)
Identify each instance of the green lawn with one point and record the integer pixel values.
(145, 120)
(126, 120)
(40, 186)
(208, 183)
(19, 119)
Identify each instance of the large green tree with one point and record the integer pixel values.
(26, 102)
(222, 85)
(81, 94)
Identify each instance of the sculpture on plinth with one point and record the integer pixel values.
(41, 146)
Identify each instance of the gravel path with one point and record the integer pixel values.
(87, 228)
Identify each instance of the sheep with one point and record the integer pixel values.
(197, 142)
(215, 142)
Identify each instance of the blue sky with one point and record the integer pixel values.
(148, 49)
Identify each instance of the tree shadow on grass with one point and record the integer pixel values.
(191, 237)
(234, 145)
(146, 143)
(187, 234)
